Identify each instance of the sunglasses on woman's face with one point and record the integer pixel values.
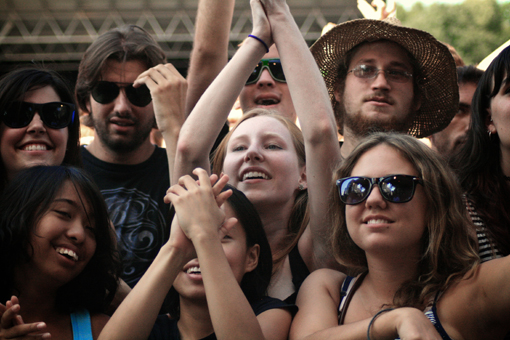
(106, 92)
(55, 115)
(274, 67)
(393, 188)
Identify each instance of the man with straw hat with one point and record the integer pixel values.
(382, 76)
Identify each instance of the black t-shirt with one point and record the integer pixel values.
(134, 196)
(166, 328)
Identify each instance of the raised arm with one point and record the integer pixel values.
(168, 90)
(207, 118)
(210, 46)
(315, 114)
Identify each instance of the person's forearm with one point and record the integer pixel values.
(136, 315)
(210, 46)
(212, 110)
(231, 314)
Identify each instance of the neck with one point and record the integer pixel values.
(195, 320)
(505, 161)
(37, 299)
(275, 220)
(136, 156)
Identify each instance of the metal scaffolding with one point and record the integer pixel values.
(61, 30)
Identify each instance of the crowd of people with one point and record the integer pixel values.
(319, 214)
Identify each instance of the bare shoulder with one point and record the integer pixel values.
(98, 321)
(324, 281)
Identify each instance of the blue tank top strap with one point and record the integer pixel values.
(431, 314)
(349, 286)
(82, 328)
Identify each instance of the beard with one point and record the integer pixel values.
(118, 142)
(361, 126)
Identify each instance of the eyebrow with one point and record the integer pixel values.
(392, 63)
(65, 200)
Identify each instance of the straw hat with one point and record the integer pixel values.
(438, 84)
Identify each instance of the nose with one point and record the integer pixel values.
(122, 104)
(380, 81)
(375, 199)
(253, 154)
(76, 231)
(36, 125)
(265, 79)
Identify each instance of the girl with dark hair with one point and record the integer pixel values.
(38, 122)
(402, 226)
(483, 164)
(57, 255)
(219, 263)
(264, 154)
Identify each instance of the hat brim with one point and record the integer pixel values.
(438, 84)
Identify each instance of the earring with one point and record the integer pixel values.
(489, 131)
(301, 187)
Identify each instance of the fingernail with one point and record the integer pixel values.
(41, 325)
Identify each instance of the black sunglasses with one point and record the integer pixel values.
(106, 92)
(55, 115)
(393, 188)
(275, 70)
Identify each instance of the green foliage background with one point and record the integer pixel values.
(475, 27)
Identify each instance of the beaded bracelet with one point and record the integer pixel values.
(375, 317)
(262, 41)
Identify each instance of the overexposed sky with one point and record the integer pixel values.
(407, 4)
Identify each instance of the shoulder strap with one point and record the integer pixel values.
(349, 287)
(82, 328)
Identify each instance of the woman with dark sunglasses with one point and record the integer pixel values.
(401, 227)
(38, 122)
(264, 153)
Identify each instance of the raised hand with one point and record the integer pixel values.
(261, 27)
(378, 9)
(197, 205)
(13, 327)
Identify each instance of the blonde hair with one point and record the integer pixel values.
(299, 216)
(448, 249)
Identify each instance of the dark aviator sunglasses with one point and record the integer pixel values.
(55, 115)
(393, 188)
(105, 92)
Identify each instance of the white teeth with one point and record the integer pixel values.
(68, 252)
(255, 174)
(35, 147)
(193, 270)
(379, 221)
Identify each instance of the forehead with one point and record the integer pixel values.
(272, 54)
(46, 94)
(262, 126)
(381, 53)
(122, 72)
(238, 228)
(71, 193)
(389, 162)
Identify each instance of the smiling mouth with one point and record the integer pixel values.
(67, 253)
(193, 270)
(35, 147)
(267, 101)
(377, 221)
(255, 175)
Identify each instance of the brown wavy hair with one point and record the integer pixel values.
(449, 249)
(299, 216)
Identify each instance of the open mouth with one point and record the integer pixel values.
(193, 270)
(67, 253)
(255, 175)
(267, 101)
(35, 147)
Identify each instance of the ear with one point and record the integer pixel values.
(252, 258)
(302, 178)
(489, 123)
(416, 104)
(338, 93)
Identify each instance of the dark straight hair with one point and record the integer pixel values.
(24, 202)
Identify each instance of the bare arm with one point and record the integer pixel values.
(210, 46)
(211, 111)
(313, 108)
(168, 90)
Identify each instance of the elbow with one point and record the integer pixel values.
(323, 131)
